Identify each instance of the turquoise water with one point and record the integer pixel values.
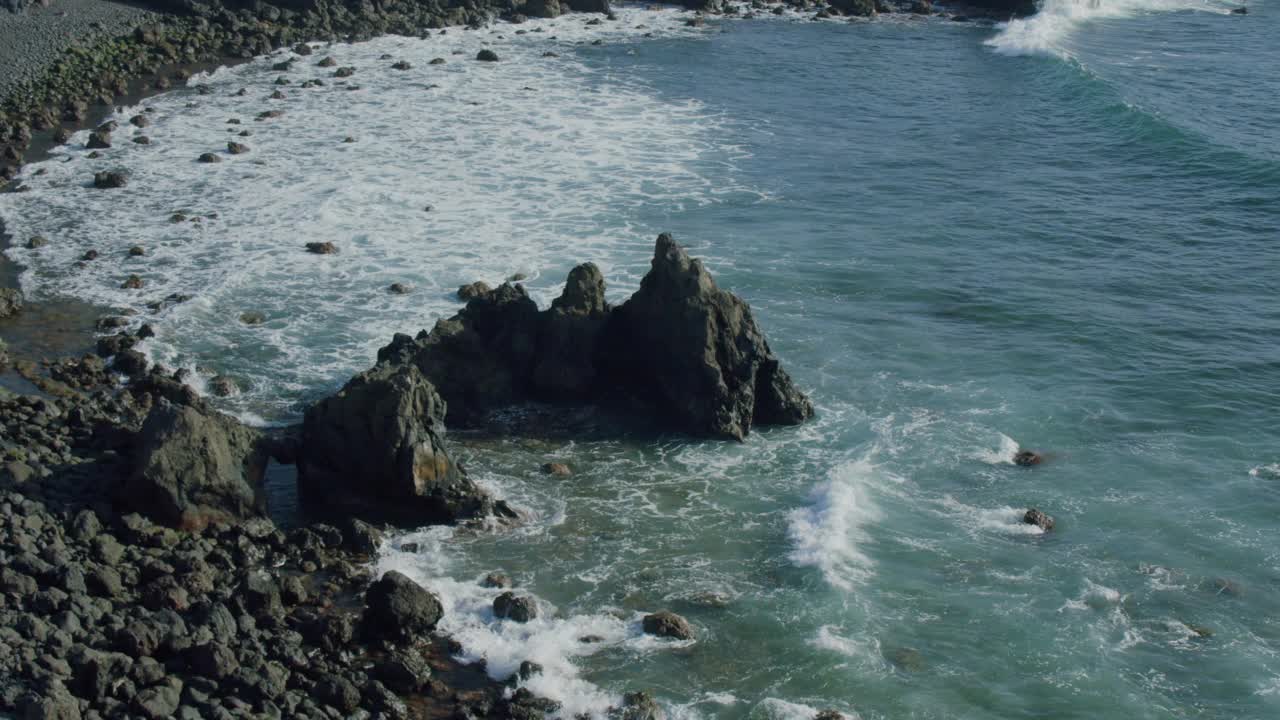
(961, 240)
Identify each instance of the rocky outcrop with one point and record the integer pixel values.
(376, 445)
(685, 350)
(694, 353)
(194, 467)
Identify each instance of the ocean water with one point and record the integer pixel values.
(963, 240)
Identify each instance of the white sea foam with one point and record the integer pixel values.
(829, 533)
(1000, 456)
(552, 639)
(1004, 519)
(1269, 472)
(779, 709)
(1050, 30)
(529, 165)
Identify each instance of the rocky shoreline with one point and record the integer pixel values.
(140, 574)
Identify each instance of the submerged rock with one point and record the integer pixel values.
(109, 179)
(637, 706)
(195, 467)
(322, 248)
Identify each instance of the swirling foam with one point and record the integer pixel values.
(828, 534)
(1050, 30)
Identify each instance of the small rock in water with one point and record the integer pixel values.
(1027, 458)
(137, 251)
(223, 386)
(398, 289)
(553, 468)
(327, 62)
(474, 290)
(110, 179)
(1240, 11)
(496, 580)
(98, 140)
(487, 56)
(36, 241)
(322, 248)
(1039, 519)
(348, 139)
(1223, 586)
(178, 217)
(828, 715)
(277, 95)
(437, 61)
(343, 72)
(549, 54)
(252, 317)
(520, 608)
(89, 255)
(667, 624)
(142, 140)
(133, 282)
(518, 277)
(402, 65)
(236, 148)
(209, 158)
(908, 659)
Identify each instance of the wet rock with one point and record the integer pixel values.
(694, 351)
(520, 608)
(554, 468)
(137, 251)
(140, 121)
(399, 610)
(131, 363)
(922, 7)
(1027, 458)
(133, 282)
(828, 715)
(89, 255)
(236, 148)
(10, 302)
(667, 624)
(496, 580)
(1039, 519)
(487, 56)
(209, 158)
(637, 706)
(142, 140)
(474, 290)
(98, 140)
(399, 289)
(906, 658)
(322, 248)
(855, 8)
(327, 62)
(223, 386)
(344, 72)
(195, 467)
(1224, 586)
(437, 61)
(402, 65)
(403, 672)
(383, 428)
(361, 537)
(109, 179)
(252, 317)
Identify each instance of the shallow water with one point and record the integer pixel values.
(962, 240)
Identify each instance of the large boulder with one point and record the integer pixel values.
(377, 444)
(694, 353)
(195, 467)
(479, 359)
(565, 367)
(542, 8)
(400, 610)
